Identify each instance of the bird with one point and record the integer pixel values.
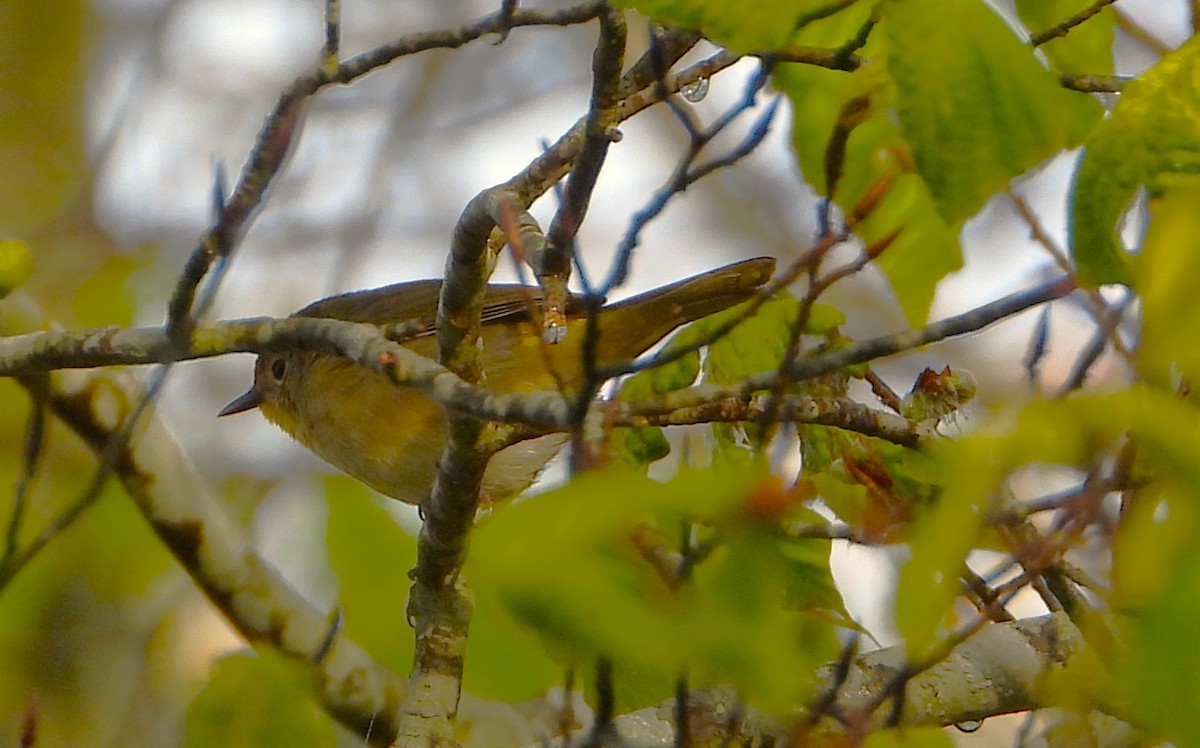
(390, 437)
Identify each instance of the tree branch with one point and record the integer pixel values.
(1021, 662)
(260, 604)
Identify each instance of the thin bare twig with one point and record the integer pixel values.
(38, 386)
(685, 174)
(1062, 29)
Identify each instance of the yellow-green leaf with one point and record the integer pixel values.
(909, 737)
(1151, 140)
(1166, 276)
(973, 100)
(923, 249)
(756, 345)
(15, 263)
(588, 589)
(371, 555)
(1087, 48)
(255, 699)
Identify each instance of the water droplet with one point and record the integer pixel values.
(969, 726)
(695, 91)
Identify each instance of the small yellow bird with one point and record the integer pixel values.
(391, 437)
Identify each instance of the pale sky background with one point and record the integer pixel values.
(383, 168)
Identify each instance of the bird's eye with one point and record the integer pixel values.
(278, 368)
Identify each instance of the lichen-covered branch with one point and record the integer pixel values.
(825, 411)
(259, 603)
(1003, 668)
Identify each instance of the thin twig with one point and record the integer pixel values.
(333, 36)
(38, 387)
(684, 175)
(1062, 29)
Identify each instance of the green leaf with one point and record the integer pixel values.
(925, 251)
(671, 376)
(970, 471)
(1166, 275)
(15, 263)
(1155, 532)
(580, 577)
(743, 635)
(809, 579)
(1087, 48)
(923, 247)
(371, 555)
(639, 445)
(255, 699)
(1158, 670)
(1069, 432)
(505, 659)
(824, 318)
(818, 94)
(940, 542)
(588, 590)
(756, 345)
(909, 737)
(642, 446)
(1151, 140)
(973, 100)
(43, 131)
(742, 27)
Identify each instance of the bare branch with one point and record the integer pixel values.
(261, 605)
(1062, 29)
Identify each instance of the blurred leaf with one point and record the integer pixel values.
(1158, 672)
(1151, 140)
(15, 263)
(640, 445)
(42, 78)
(505, 659)
(939, 545)
(1087, 48)
(1156, 566)
(974, 102)
(742, 634)
(587, 591)
(1046, 432)
(580, 577)
(824, 318)
(1166, 273)
(1156, 529)
(809, 580)
(256, 699)
(970, 471)
(909, 737)
(99, 295)
(371, 555)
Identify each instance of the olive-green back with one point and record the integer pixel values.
(627, 328)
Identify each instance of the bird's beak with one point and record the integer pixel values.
(248, 400)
